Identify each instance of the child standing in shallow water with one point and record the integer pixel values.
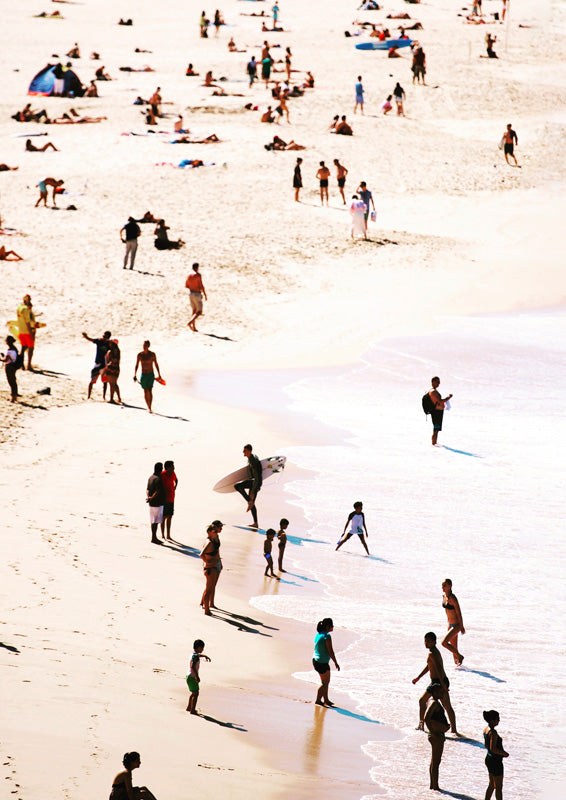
(357, 526)
(282, 536)
(267, 545)
(193, 678)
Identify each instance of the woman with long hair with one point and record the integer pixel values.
(455, 622)
(210, 555)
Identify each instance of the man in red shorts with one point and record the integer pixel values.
(26, 328)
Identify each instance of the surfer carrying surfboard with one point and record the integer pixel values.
(251, 486)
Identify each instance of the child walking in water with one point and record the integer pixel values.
(282, 536)
(193, 678)
(267, 546)
(357, 526)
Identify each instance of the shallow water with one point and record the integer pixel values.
(485, 508)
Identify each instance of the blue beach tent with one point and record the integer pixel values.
(44, 82)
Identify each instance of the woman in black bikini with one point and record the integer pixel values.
(122, 788)
(495, 755)
(210, 555)
(455, 622)
(437, 724)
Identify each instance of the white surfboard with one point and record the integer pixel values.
(269, 466)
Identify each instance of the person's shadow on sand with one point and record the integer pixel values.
(483, 674)
(234, 725)
(179, 547)
(249, 620)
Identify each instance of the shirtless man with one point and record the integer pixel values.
(323, 175)
(42, 185)
(197, 291)
(147, 360)
(435, 667)
(341, 173)
(439, 406)
(510, 139)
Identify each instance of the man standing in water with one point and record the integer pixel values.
(439, 404)
(197, 291)
(252, 483)
(435, 667)
(147, 360)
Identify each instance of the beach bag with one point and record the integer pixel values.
(428, 405)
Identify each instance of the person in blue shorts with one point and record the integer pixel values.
(359, 95)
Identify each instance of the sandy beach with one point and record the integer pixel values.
(98, 624)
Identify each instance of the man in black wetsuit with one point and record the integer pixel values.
(252, 484)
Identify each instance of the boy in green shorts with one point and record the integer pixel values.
(193, 679)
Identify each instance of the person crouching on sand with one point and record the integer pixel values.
(323, 653)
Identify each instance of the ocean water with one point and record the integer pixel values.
(485, 509)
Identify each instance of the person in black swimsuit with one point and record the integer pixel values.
(437, 725)
(297, 179)
(210, 555)
(323, 175)
(122, 788)
(495, 755)
(455, 622)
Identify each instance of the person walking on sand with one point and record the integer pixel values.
(495, 755)
(252, 70)
(359, 95)
(267, 548)
(323, 175)
(455, 622)
(435, 667)
(147, 360)
(297, 179)
(170, 484)
(122, 788)
(341, 173)
(210, 555)
(357, 522)
(437, 725)
(510, 139)
(155, 497)
(440, 404)
(196, 293)
(251, 486)
(399, 97)
(367, 197)
(323, 653)
(102, 345)
(357, 212)
(129, 235)
(26, 328)
(282, 543)
(10, 361)
(193, 677)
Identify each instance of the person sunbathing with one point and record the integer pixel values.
(31, 148)
(67, 119)
(162, 241)
(142, 50)
(212, 139)
(232, 47)
(6, 168)
(191, 72)
(343, 128)
(280, 144)
(268, 116)
(9, 255)
(27, 114)
(74, 52)
(136, 69)
(92, 91)
(101, 75)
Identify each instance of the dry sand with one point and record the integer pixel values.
(98, 625)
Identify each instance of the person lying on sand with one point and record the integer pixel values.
(280, 144)
(31, 148)
(398, 16)
(136, 69)
(212, 139)
(67, 119)
(56, 14)
(219, 92)
(125, 21)
(142, 50)
(6, 168)
(9, 255)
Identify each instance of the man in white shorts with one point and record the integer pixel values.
(155, 496)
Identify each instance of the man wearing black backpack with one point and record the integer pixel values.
(436, 405)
